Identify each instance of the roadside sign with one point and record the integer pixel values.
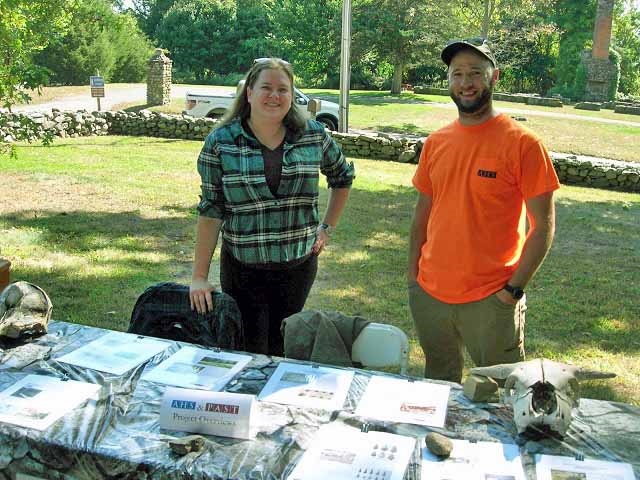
(95, 81)
(97, 86)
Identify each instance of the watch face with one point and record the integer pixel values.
(517, 293)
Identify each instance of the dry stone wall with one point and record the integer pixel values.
(571, 169)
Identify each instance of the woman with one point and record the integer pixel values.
(259, 172)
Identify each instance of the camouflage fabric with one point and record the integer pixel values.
(164, 311)
(321, 336)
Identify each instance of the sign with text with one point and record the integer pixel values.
(97, 86)
(215, 413)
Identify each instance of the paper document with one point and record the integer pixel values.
(338, 452)
(115, 352)
(551, 467)
(192, 367)
(307, 386)
(398, 400)
(37, 401)
(475, 461)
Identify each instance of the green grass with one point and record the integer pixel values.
(96, 220)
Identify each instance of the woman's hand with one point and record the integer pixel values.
(322, 240)
(201, 295)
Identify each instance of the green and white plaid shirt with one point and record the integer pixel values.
(259, 227)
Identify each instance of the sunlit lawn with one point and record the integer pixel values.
(94, 221)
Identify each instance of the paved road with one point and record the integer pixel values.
(115, 95)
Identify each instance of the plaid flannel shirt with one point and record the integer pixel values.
(261, 228)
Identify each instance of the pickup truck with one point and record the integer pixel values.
(215, 105)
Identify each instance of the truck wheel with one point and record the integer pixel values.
(329, 122)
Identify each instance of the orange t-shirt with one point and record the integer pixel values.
(478, 178)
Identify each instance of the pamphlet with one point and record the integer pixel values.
(338, 452)
(475, 461)
(37, 401)
(404, 401)
(199, 368)
(308, 386)
(115, 352)
(216, 413)
(551, 467)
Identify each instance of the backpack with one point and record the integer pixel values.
(164, 311)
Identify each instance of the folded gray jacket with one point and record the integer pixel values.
(321, 336)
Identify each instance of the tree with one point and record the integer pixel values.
(626, 41)
(402, 32)
(199, 35)
(575, 20)
(526, 43)
(307, 34)
(101, 39)
(26, 27)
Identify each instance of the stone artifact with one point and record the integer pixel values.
(541, 392)
(480, 389)
(439, 445)
(25, 310)
(184, 445)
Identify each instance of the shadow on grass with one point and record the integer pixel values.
(583, 298)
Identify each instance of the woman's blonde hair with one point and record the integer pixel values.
(241, 108)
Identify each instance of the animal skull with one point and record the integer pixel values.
(25, 310)
(542, 393)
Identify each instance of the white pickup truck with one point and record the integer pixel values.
(215, 105)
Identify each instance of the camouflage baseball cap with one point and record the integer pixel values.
(480, 45)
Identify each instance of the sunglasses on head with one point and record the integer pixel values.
(270, 59)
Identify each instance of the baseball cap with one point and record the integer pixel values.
(480, 45)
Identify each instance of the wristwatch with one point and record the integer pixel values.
(326, 227)
(516, 292)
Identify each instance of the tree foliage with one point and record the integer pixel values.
(402, 33)
(198, 35)
(26, 28)
(99, 39)
(626, 41)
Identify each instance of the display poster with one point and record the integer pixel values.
(474, 461)
(307, 386)
(199, 368)
(404, 401)
(343, 453)
(214, 413)
(551, 467)
(37, 401)
(115, 352)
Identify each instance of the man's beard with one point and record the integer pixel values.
(477, 106)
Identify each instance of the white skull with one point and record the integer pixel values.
(542, 393)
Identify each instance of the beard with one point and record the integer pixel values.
(481, 104)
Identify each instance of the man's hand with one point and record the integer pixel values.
(505, 297)
(200, 296)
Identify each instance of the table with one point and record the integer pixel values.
(118, 435)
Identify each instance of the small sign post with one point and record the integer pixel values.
(97, 88)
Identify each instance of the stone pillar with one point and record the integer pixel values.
(600, 70)
(159, 79)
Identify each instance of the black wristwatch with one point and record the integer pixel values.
(516, 292)
(326, 227)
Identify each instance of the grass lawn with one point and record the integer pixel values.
(94, 221)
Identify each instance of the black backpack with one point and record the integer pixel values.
(164, 311)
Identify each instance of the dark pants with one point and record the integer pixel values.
(266, 297)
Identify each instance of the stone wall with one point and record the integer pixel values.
(571, 169)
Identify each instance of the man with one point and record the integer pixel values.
(479, 179)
